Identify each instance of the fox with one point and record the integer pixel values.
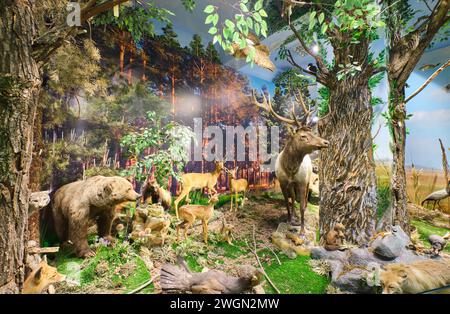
(41, 278)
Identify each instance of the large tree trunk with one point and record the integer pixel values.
(347, 171)
(19, 89)
(405, 53)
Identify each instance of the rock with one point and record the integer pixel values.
(319, 252)
(336, 268)
(407, 257)
(353, 281)
(362, 257)
(391, 246)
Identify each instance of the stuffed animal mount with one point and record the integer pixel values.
(288, 239)
(150, 225)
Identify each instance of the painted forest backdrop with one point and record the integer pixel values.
(91, 103)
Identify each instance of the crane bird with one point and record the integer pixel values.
(437, 196)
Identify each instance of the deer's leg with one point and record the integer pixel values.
(303, 203)
(292, 192)
(184, 192)
(205, 231)
(284, 190)
(231, 205)
(236, 200)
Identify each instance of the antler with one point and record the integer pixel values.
(266, 105)
(306, 109)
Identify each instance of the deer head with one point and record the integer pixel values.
(302, 139)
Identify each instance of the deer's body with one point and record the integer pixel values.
(293, 166)
(237, 186)
(190, 213)
(196, 181)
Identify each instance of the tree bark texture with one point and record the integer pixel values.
(19, 89)
(347, 170)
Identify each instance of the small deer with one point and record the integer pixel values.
(190, 213)
(237, 186)
(195, 181)
(293, 166)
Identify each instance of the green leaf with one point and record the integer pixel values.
(209, 9)
(249, 21)
(229, 24)
(212, 30)
(215, 19)
(321, 18)
(264, 32)
(236, 37)
(257, 17)
(312, 15)
(258, 5)
(263, 13)
(243, 7)
(257, 29)
(312, 23)
(324, 28)
(209, 19)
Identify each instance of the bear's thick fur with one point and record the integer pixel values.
(75, 204)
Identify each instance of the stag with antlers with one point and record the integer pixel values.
(293, 166)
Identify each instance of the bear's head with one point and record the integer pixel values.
(120, 190)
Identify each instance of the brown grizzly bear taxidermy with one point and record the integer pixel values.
(76, 203)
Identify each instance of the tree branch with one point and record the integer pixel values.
(428, 81)
(432, 25)
(93, 11)
(294, 63)
(304, 46)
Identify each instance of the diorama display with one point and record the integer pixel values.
(224, 147)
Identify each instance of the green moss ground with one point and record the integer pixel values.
(294, 276)
(114, 257)
(425, 229)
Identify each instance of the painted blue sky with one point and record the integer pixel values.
(430, 109)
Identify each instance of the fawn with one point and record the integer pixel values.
(236, 186)
(190, 213)
(195, 181)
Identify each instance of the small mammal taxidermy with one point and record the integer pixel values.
(41, 278)
(76, 203)
(38, 200)
(196, 181)
(153, 193)
(416, 277)
(335, 238)
(176, 279)
(438, 243)
(227, 232)
(190, 213)
(295, 238)
(237, 186)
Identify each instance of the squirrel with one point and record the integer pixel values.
(335, 238)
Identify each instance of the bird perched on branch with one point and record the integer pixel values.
(261, 58)
(179, 279)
